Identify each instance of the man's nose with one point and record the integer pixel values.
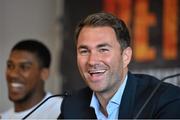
(93, 58)
(13, 72)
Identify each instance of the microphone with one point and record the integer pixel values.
(65, 94)
(153, 92)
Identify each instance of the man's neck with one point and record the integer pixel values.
(105, 97)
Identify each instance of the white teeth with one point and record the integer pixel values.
(16, 85)
(96, 71)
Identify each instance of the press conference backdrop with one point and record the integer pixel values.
(154, 27)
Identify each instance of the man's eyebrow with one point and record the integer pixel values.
(23, 62)
(98, 46)
(104, 45)
(8, 61)
(82, 47)
(26, 62)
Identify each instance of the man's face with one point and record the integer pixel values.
(101, 62)
(23, 75)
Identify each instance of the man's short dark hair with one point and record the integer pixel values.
(106, 19)
(37, 48)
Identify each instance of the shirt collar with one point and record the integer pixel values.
(115, 99)
(118, 95)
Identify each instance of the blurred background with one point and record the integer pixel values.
(154, 26)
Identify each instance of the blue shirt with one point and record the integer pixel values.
(112, 106)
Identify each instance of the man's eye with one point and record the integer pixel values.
(83, 52)
(10, 66)
(103, 50)
(25, 67)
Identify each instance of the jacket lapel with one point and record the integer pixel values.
(89, 113)
(127, 102)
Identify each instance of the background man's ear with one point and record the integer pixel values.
(44, 74)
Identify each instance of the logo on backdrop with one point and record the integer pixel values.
(154, 26)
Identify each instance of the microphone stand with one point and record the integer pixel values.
(153, 92)
(58, 95)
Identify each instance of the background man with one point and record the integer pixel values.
(27, 69)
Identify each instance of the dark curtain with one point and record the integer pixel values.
(74, 11)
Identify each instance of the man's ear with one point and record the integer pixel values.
(44, 73)
(127, 55)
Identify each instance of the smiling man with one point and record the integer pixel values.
(27, 69)
(103, 54)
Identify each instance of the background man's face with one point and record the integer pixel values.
(23, 75)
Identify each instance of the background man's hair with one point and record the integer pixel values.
(37, 48)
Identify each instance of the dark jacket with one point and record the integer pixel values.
(165, 103)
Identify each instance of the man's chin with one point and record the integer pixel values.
(96, 89)
(16, 99)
